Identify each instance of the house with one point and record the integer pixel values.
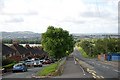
(18, 52)
(36, 51)
(21, 51)
(7, 51)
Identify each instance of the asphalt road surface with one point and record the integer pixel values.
(105, 70)
(0, 77)
(31, 72)
(73, 70)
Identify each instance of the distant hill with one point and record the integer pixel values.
(96, 35)
(31, 35)
(20, 34)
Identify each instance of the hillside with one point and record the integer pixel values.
(31, 35)
(20, 34)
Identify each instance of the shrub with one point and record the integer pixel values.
(7, 61)
(9, 66)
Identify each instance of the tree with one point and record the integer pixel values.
(87, 47)
(57, 42)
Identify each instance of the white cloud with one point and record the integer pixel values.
(76, 16)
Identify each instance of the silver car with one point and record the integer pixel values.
(37, 63)
(29, 63)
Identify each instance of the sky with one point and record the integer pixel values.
(75, 16)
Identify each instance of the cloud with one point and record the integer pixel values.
(74, 21)
(16, 14)
(91, 14)
(15, 20)
(77, 16)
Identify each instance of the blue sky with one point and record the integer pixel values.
(76, 16)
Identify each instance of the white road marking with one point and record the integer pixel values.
(82, 70)
(116, 70)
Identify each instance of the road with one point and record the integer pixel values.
(105, 70)
(31, 72)
(72, 70)
(0, 77)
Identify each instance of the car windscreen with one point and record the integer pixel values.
(18, 65)
(28, 61)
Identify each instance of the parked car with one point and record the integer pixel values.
(46, 61)
(37, 63)
(22, 62)
(29, 63)
(52, 60)
(19, 67)
(2, 70)
(41, 61)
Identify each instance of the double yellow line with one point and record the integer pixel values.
(94, 74)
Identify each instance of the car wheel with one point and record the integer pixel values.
(40, 65)
(13, 71)
(23, 70)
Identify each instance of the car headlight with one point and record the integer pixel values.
(13, 66)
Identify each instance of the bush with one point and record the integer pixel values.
(7, 61)
(9, 66)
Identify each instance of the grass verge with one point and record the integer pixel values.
(83, 52)
(48, 70)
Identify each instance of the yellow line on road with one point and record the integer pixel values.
(89, 72)
(98, 76)
(88, 69)
(101, 76)
(94, 76)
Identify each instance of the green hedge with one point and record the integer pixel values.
(9, 66)
(7, 62)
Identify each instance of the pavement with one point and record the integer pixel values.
(73, 70)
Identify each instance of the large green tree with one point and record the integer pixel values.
(96, 46)
(57, 42)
